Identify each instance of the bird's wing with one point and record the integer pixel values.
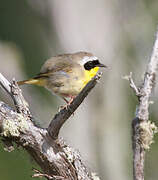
(56, 64)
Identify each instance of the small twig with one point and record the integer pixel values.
(133, 86)
(19, 101)
(40, 174)
(60, 118)
(15, 92)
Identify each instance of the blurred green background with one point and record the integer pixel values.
(121, 33)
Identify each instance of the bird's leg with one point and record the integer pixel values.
(71, 99)
(67, 102)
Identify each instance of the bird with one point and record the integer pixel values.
(65, 75)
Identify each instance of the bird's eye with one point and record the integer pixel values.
(91, 64)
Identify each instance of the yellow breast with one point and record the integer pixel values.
(90, 74)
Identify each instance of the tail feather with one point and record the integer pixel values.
(37, 81)
(29, 81)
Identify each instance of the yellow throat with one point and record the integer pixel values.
(90, 74)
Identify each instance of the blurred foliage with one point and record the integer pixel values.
(21, 25)
(30, 31)
(19, 167)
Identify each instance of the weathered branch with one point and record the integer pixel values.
(142, 129)
(56, 159)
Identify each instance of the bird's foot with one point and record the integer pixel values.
(66, 106)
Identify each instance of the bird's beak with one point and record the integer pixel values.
(102, 65)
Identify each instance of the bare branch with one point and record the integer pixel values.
(142, 129)
(15, 92)
(149, 82)
(132, 84)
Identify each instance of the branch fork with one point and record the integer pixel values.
(56, 159)
(132, 85)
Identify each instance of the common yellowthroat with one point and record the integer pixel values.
(66, 74)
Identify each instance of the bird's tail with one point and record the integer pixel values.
(29, 81)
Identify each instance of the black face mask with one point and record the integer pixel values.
(92, 64)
